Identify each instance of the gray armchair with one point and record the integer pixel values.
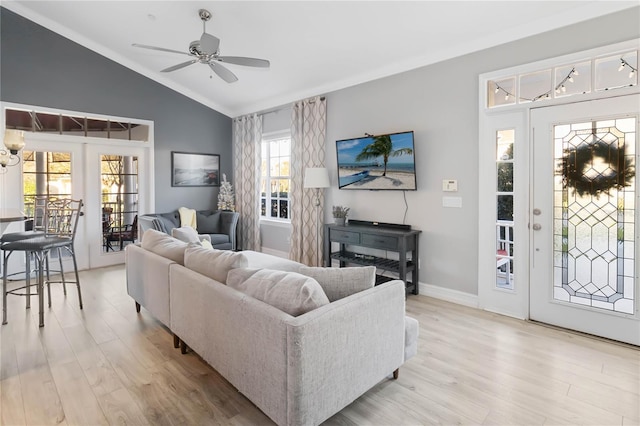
(219, 226)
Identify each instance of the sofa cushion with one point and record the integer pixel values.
(208, 223)
(213, 263)
(261, 260)
(342, 282)
(186, 234)
(217, 239)
(164, 245)
(290, 292)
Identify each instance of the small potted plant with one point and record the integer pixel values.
(340, 214)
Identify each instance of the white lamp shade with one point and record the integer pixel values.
(14, 140)
(316, 177)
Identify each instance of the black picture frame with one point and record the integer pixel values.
(190, 169)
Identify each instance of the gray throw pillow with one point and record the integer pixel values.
(342, 282)
(290, 292)
(208, 224)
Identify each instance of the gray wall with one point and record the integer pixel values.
(440, 103)
(39, 67)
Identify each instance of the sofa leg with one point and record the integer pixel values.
(137, 307)
(396, 372)
(176, 341)
(183, 347)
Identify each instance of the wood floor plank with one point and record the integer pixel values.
(97, 369)
(120, 408)
(11, 402)
(42, 405)
(78, 401)
(129, 370)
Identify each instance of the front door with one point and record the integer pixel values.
(584, 239)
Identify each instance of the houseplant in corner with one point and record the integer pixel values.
(340, 214)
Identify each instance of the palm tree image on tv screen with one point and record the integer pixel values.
(377, 162)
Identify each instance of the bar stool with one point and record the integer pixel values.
(36, 229)
(60, 226)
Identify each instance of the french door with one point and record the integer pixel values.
(56, 170)
(119, 193)
(584, 215)
(105, 177)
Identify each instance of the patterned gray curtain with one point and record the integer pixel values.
(247, 140)
(308, 134)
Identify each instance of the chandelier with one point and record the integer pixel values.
(14, 142)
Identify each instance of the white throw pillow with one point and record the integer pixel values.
(206, 244)
(186, 234)
(213, 263)
(342, 282)
(290, 292)
(164, 245)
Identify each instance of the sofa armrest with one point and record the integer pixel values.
(147, 277)
(341, 350)
(228, 225)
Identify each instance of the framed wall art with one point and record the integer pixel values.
(190, 169)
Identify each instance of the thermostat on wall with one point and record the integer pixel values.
(449, 185)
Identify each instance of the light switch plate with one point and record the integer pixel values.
(449, 185)
(455, 202)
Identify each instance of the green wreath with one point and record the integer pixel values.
(577, 160)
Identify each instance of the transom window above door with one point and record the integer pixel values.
(75, 125)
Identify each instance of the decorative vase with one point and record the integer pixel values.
(340, 221)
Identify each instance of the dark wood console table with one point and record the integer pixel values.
(375, 237)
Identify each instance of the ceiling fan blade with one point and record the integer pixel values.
(162, 49)
(223, 73)
(182, 65)
(241, 60)
(209, 44)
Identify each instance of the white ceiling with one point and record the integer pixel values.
(314, 46)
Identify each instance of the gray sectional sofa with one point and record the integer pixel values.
(299, 370)
(220, 226)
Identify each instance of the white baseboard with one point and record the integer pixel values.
(515, 315)
(273, 252)
(454, 296)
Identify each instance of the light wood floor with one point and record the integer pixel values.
(108, 365)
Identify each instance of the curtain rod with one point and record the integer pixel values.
(322, 98)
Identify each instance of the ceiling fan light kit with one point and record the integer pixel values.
(206, 51)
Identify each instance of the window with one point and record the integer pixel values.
(504, 208)
(275, 177)
(74, 125)
(45, 174)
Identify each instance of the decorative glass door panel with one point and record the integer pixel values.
(594, 210)
(584, 266)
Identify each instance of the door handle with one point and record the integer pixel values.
(537, 227)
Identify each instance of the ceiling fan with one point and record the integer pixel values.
(205, 51)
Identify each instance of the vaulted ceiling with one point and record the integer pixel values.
(314, 46)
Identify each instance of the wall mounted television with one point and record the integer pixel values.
(377, 162)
